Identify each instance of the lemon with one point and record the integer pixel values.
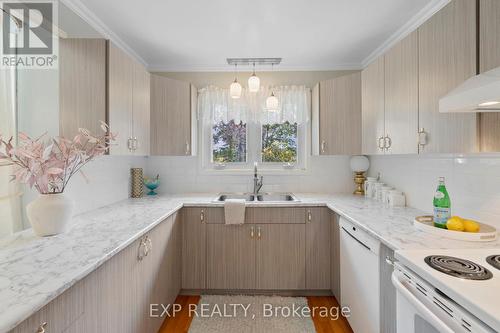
(471, 226)
(455, 223)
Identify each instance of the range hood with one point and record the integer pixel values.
(480, 93)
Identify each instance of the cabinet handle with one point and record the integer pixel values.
(41, 328)
(309, 216)
(187, 148)
(252, 234)
(422, 138)
(129, 144)
(135, 143)
(202, 216)
(389, 260)
(258, 232)
(142, 249)
(387, 142)
(323, 145)
(381, 143)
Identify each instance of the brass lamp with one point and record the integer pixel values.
(359, 165)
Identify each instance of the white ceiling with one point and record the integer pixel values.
(198, 35)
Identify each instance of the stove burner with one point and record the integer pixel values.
(457, 267)
(494, 261)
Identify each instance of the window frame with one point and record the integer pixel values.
(254, 152)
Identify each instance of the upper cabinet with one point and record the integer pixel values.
(82, 87)
(401, 89)
(128, 103)
(447, 57)
(337, 116)
(489, 58)
(401, 97)
(373, 119)
(173, 105)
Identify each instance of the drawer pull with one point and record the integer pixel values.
(258, 233)
(143, 249)
(252, 232)
(309, 216)
(202, 216)
(41, 328)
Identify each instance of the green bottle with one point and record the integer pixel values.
(442, 205)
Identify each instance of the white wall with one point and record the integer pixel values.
(108, 182)
(182, 174)
(473, 181)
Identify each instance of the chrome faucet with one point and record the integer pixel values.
(257, 183)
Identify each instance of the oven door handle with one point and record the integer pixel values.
(423, 310)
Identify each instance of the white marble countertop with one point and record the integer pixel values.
(34, 271)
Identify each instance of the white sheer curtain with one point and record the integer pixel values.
(10, 202)
(215, 105)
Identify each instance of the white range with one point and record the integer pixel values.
(447, 290)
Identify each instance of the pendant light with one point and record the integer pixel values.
(272, 102)
(253, 82)
(235, 87)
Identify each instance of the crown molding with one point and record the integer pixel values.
(86, 14)
(227, 68)
(417, 20)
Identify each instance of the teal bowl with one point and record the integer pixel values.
(152, 185)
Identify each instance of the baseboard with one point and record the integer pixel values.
(295, 293)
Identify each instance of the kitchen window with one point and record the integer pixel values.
(237, 132)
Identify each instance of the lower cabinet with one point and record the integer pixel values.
(318, 243)
(194, 247)
(281, 262)
(231, 256)
(276, 249)
(116, 297)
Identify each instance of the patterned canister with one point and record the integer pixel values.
(137, 182)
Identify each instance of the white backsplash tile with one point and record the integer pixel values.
(182, 174)
(473, 181)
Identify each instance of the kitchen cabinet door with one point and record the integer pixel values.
(447, 57)
(141, 110)
(335, 255)
(113, 300)
(194, 260)
(401, 96)
(163, 269)
(387, 292)
(120, 99)
(170, 116)
(372, 89)
(82, 88)
(60, 315)
(231, 256)
(340, 115)
(489, 52)
(318, 241)
(280, 256)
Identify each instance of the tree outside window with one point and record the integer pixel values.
(229, 142)
(279, 143)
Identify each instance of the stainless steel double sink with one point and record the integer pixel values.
(260, 197)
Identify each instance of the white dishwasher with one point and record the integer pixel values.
(360, 277)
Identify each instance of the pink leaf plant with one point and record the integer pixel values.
(48, 165)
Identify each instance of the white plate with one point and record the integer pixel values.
(486, 233)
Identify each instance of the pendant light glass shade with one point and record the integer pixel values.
(272, 103)
(235, 89)
(253, 83)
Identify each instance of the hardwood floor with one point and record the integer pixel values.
(328, 324)
(323, 324)
(181, 322)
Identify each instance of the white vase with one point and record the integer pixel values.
(50, 214)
